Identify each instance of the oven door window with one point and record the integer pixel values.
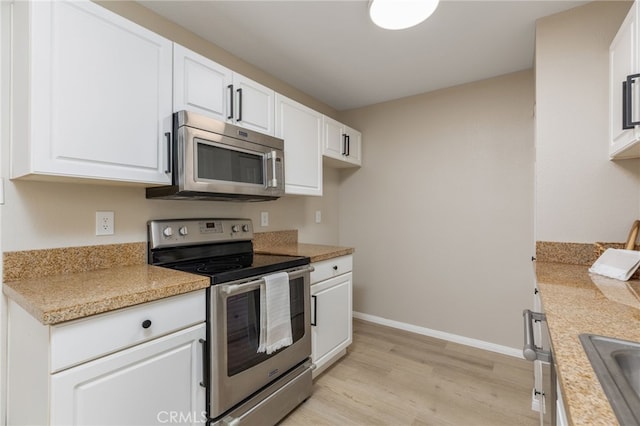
(243, 326)
(222, 163)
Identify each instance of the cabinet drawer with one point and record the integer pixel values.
(331, 268)
(89, 338)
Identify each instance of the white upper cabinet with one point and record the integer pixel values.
(301, 129)
(624, 89)
(200, 85)
(253, 105)
(342, 145)
(92, 95)
(204, 86)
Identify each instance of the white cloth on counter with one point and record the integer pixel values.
(617, 263)
(275, 313)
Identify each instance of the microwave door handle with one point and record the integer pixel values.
(272, 180)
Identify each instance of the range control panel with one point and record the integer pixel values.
(180, 232)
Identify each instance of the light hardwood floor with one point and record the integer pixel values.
(392, 377)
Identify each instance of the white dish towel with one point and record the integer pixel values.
(275, 313)
(617, 263)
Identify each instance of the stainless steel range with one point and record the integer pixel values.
(244, 386)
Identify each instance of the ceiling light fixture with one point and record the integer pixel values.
(400, 14)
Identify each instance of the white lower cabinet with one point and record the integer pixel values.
(331, 312)
(141, 365)
(148, 384)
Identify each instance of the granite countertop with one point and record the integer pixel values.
(56, 285)
(577, 302)
(57, 298)
(315, 252)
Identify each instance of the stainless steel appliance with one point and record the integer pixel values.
(214, 160)
(244, 386)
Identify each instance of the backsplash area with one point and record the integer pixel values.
(18, 265)
(573, 253)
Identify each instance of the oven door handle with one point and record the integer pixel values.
(231, 289)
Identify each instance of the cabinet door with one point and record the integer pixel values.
(331, 316)
(301, 129)
(253, 105)
(623, 62)
(200, 84)
(354, 146)
(99, 90)
(148, 384)
(341, 147)
(334, 141)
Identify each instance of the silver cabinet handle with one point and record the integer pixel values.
(530, 351)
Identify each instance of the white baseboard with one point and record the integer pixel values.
(480, 344)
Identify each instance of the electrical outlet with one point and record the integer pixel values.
(105, 224)
(264, 218)
(318, 216)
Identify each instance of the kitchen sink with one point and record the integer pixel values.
(617, 365)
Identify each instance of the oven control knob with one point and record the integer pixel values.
(167, 232)
(183, 231)
(235, 228)
(245, 228)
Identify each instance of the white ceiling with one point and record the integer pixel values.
(331, 51)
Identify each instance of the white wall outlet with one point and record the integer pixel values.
(318, 216)
(264, 218)
(105, 224)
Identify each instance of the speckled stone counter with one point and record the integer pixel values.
(286, 243)
(315, 252)
(59, 298)
(577, 302)
(57, 285)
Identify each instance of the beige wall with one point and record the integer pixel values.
(581, 195)
(46, 215)
(441, 212)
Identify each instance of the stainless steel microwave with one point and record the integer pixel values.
(214, 160)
